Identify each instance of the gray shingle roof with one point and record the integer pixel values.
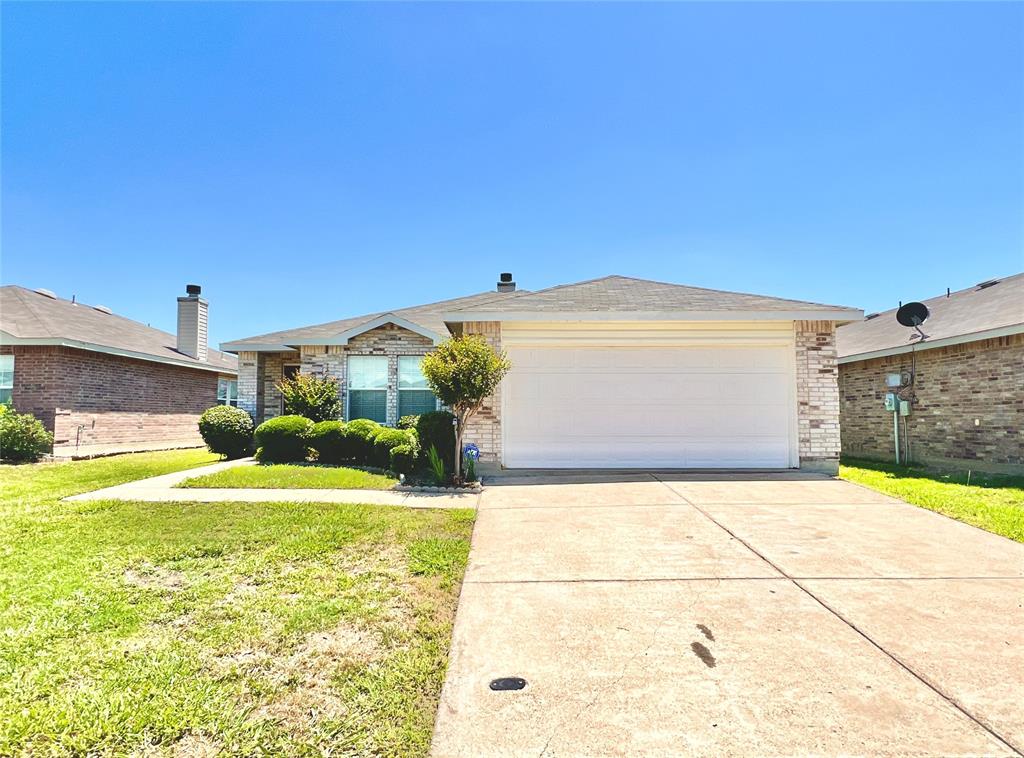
(626, 294)
(966, 312)
(27, 315)
(428, 317)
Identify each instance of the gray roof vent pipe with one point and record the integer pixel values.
(505, 283)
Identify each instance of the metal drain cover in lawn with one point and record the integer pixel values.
(508, 683)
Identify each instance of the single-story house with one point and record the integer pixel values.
(610, 373)
(103, 383)
(963, 385)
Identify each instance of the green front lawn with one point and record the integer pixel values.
(994, 503)
(234, 628)
(293, 476)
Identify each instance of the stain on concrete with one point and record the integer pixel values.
(706, 632)
(703, 653)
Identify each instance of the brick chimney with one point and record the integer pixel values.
(505, 283)
(193, 316)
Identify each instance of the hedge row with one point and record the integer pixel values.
(289, 439)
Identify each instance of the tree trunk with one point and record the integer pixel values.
(458, 451)
(462, 415)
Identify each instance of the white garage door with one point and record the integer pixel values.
(650, 407)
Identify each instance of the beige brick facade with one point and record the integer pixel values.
(817, 395)
(816, 384)
(484, 429)
(969, 409)
(260, 372)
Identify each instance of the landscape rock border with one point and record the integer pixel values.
(470, 489)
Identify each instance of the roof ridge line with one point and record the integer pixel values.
(685, 286)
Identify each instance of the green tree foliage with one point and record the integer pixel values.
(462, 372)
(315, 397)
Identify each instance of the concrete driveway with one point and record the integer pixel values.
(731, 615)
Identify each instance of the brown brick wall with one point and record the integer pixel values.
(115, 400)
(954, 387)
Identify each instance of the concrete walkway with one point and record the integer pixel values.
(717, 616)
(163, 489)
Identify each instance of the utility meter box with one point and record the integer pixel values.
(904, 407)
(893, 380)
(890, 401)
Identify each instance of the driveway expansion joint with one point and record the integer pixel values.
(893, 657)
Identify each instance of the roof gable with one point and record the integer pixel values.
(343, 337)
(426, 320)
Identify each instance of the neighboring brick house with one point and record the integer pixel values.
(610, 373)
(103, 383)
(964, 384)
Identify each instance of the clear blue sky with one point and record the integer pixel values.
(309, 162)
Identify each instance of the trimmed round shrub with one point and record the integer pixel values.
(387, 439)
(408, 422)
(403, 459)
(331, 440)
(361, 432)
(226, 431)
(23, 437)
(436, 428)
(283, 439)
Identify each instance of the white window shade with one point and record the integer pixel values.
(410, 374)
(368, 387)
(367, 372)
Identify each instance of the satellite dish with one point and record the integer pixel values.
(912, 314)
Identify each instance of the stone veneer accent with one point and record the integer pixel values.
(817, 395)
(955, 385)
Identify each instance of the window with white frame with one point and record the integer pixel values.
(368, 387)
(227, 392)
(414, 395)
(6, 379)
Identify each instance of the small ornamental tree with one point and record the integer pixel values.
(463, 372)
(315, 397)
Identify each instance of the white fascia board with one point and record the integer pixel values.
(960, 339)
(839, 315)
(255, 347)
(388, 318)
(8, 339)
